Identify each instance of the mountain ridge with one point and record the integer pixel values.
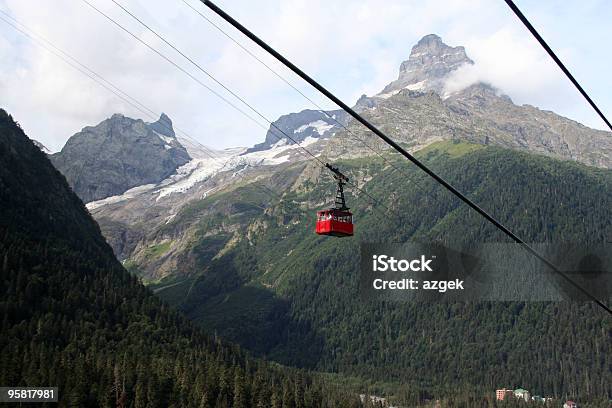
(478, 113)
(300, 126)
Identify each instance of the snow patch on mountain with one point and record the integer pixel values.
(41, 146)
(198, 151)
(131, 193)
(189, 175)
(199, 170)
(166, 139)
(412, 87)
(319, 126)
(416, 87)
(279, 154)
(282, 142)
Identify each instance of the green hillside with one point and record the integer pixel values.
(73, 318)
(278, 289)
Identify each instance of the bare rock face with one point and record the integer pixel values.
(163, 126)
(529, 128)
(118, 154)
(429, 64)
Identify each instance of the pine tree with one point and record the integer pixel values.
(240, 398)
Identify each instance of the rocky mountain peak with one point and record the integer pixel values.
(429, 39)
(430, 61)
(163, 126)
(118, 154)
(433, 56)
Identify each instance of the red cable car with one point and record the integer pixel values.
(337, 221)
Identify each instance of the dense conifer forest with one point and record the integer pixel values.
(73, 318)
(292, 296)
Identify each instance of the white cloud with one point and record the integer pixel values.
(508, 62)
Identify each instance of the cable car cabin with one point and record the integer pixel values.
(334, 222)
(338, 221)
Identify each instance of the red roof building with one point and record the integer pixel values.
(503, 393)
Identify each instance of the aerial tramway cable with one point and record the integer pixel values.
(552, 55)
(400, 149)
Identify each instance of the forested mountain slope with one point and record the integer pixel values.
(72, 317)
(257, 273)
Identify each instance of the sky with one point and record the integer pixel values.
(353, 47)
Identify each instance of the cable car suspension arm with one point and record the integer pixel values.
(342, 180)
